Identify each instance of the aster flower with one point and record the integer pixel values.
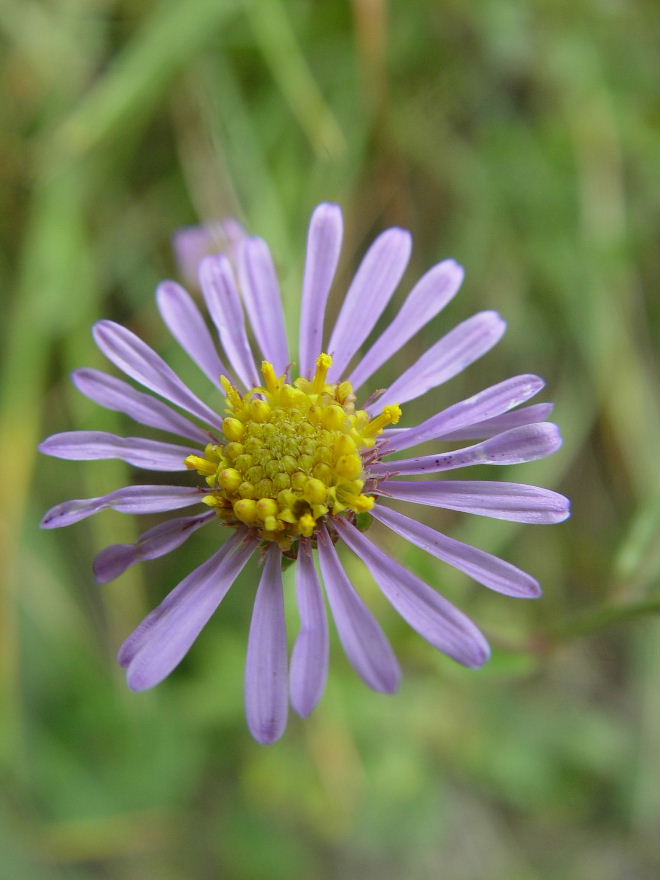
(294, 466)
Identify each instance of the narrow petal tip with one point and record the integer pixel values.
(535, 382)
(557, 508)
(327, 210)
(303, 707)
(402, 236)
(46, 521)
(456, 268)
(535, 591)
(269, 733)
(495, 318)
(100, 328)
(564, 510)
(479, 656)
(112, 562)
(167, 293)
(391, 682)
(125, 654)
(136, 681)
(44, 446)
(208, 264)
(58, 516)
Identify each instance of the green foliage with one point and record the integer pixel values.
(518, 138)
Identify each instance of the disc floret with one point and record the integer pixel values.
(292, 456)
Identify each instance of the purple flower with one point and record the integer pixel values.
(295, 466)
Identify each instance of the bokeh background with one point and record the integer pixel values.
(517, 137)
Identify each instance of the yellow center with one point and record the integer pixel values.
(292, 456)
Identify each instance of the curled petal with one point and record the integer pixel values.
(187, 326)
(309, 661)
(461, 347)
(516, 502)
(130, 499)
(490, 402)
(261, 292)
(527, 415)
(375, 281)
(266, 691)
(134, 357)
(434, 618)
(428, 297)
(90, 445)
(155, 542)
(192, 243)
(365, 643)
(516, 446)
(224, 304)
(117, 395)
(486, 569)
(163, 638)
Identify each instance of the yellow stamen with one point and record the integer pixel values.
(246, 510)
(389, 416)
(344, 392)
(233, 450)
(334, 418)
(233, 429)
(315, 491)
(233, 394)
(201, 465)
(323, 364)
(259, 410)
(266, 507)
(349, 466)
(293, 454)
(270, 377)
(230, 479)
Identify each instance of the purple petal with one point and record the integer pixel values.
(449, 356)
(487, 403)
(428, 297)
(134, 357)
(130, 499)
(164, 637)
(224, 305)
(516, 502)
(364, 641)
(516, 446)
(528, 415)
(266, 687)
(117, 395)
(309, 661)
(486, 569)
(88, 445)
(519, 445)
(219, 565)
(433, 616)
(192, 243)
(261, 293)
(375, 281)
(323, 247)
(155, 542)
(187, 326)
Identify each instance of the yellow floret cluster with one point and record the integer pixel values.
(292, 454)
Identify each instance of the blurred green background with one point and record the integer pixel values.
(516, 137)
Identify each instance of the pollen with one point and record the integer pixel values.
(293, 455)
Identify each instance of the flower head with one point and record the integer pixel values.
(295, 455)
(289, 465)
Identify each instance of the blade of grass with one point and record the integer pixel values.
(281, 49)
(141, 72)
(54, 265)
